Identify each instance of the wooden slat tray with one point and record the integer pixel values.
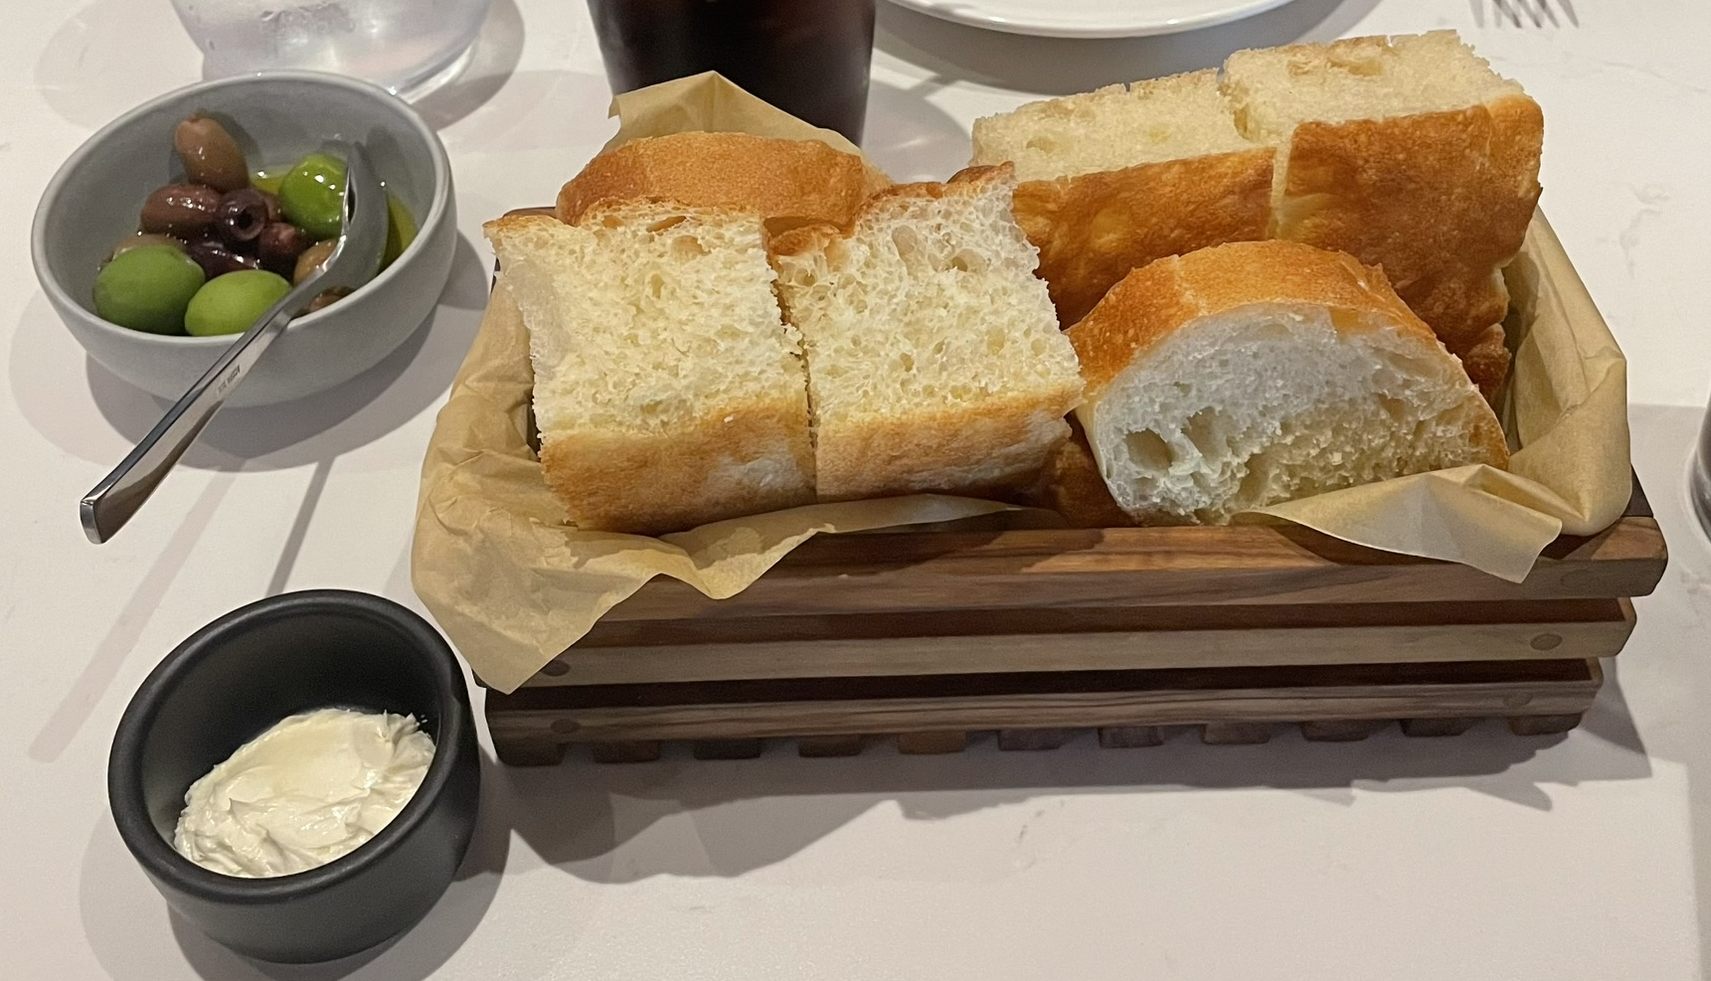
(1038, 710)
(929, 635)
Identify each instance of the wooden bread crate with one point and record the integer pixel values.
(928, 635)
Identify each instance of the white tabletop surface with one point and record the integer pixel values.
(1484, 856)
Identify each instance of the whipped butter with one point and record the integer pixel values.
(308, 790)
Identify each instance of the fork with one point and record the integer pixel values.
(1537, 11)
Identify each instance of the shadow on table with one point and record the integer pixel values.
(1061, 66)
(749, 814)
(493, 60)
(1667, 656)
(269, 437)
(126, 920)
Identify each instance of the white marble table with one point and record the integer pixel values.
(1485, 856)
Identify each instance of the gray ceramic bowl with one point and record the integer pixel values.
(277, 117)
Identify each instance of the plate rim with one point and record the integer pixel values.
(958, 12)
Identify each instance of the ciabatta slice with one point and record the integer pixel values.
(668, 391)
(934, 358)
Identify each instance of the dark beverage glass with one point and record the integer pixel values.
(807, 57)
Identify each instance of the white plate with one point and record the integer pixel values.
(1091, 18)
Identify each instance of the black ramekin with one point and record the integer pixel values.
(235, 678)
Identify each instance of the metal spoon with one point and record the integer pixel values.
(356, 258)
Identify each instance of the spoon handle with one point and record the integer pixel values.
(106, 508)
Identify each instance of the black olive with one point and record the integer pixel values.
(273, 212)
(184, 210)
(242, 216)
(279, 246)
(217, 260)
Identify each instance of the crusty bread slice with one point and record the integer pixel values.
(934, 358)
(789, 182)
(1257, 372)
(1409, 153)
(668, 391)
(1116, 178)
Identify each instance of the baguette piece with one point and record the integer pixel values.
(1116, 178)
(934, 358)
(1408, 153)
(1247, 374)
(668, 391)
(790, 182)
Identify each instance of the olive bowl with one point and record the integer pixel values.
(277, 117)
(232, 680)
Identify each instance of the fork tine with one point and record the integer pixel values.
(1528, 7)
(1568, 11)
(1551, 15)
(1502, 7)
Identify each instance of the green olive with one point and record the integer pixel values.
(229, 304)
(148, 288)
(400, 229)
(267, 180)
(312, 195)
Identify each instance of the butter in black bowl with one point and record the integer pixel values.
(234, 679)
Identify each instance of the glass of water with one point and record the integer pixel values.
(409, 47)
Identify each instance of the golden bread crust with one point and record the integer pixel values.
(653, 483)
(1093, 228)
(1071, 485)
(787, 180)
(930, 450)
(1440, 200)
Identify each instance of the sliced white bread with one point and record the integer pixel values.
(668, 391)
(1257, 372)
(789, 182)
(934, 358)
(1116, 178)
(1408, 153)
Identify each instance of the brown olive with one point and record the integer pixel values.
(279, 246)
(311, 259)
(185, 210)
(210, 154)
(141, 239)
(217, 260)
(242, 215)
(327, 297)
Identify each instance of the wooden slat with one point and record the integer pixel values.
(1241, 565)
(810, 707)
(1100, 639)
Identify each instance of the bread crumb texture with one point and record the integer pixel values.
(934, 358)
(1254, 373)
(668, 390)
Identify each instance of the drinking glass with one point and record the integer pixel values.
(406, 46)
(807, 57)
